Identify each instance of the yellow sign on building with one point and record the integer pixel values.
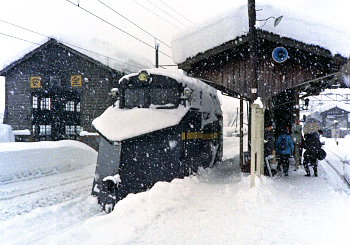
(76, 81)
(35, 82)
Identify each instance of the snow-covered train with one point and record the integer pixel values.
(163, 125)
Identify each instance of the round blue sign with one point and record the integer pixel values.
(280, 54)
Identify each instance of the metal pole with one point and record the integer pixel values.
(157, 55)
(241, 112)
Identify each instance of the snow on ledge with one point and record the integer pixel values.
(86, 133)
(22, 132)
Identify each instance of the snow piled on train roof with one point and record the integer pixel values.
(121, 124)
(179, 75)
(234, 23)
(204, 97)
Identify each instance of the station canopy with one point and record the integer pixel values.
(234, 24)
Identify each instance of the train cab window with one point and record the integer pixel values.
(70, 106)
(164, 96)
(34, 102)
(134, 98)
(45, 103)
(44, 129)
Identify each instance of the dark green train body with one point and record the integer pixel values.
(162, 126)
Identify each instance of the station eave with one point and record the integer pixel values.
(264, 35)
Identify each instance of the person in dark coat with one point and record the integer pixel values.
(312, 145)
(269, 140)
(285, 148)
(269, 147)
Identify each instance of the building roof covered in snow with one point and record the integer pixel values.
(335, 104)
(233, 26)
(105, 55)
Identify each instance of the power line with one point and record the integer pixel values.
(176, 11)
(157, 15)
(109, 23)
(72, 45)
(171, 16)
(133, 23)
(18, 38)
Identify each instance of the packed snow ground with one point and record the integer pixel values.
(215, 207)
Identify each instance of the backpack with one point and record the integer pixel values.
(321, 154)
(283, 143)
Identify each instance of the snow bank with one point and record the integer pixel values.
(19, 161)
(218, 207)
(234, 23)
(6, 133)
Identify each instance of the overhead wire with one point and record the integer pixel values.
(125, 32)
(18, 38)
(176, 11)
(121, 15)
(170, 15)
(150, 10)
(72, 45)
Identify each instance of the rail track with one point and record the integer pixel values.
(336, 170)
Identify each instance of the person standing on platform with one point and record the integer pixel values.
(284, 148)
(297, 137)
(312, 145)
(269, 147)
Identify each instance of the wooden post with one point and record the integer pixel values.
(257, 143)
(253, 156)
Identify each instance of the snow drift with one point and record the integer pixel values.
(20, 161)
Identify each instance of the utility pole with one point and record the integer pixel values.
(256, 114)
(253, 50)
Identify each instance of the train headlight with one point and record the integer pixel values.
(187, 93)
(143, 76)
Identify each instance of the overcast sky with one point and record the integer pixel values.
(161, 18)
(67, 22)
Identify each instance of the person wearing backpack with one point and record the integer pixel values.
(284, 148)
(312, 146)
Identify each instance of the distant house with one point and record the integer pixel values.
(56, 91)
(335, 119)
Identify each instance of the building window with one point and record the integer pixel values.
(45, 104)
(70, 129)
(78, 129)
(44, 129)
(70, 106)
(35, 102)
(78, 107)
(34, 131)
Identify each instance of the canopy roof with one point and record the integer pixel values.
(233, 25)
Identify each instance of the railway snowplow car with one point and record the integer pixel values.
(163, 125)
